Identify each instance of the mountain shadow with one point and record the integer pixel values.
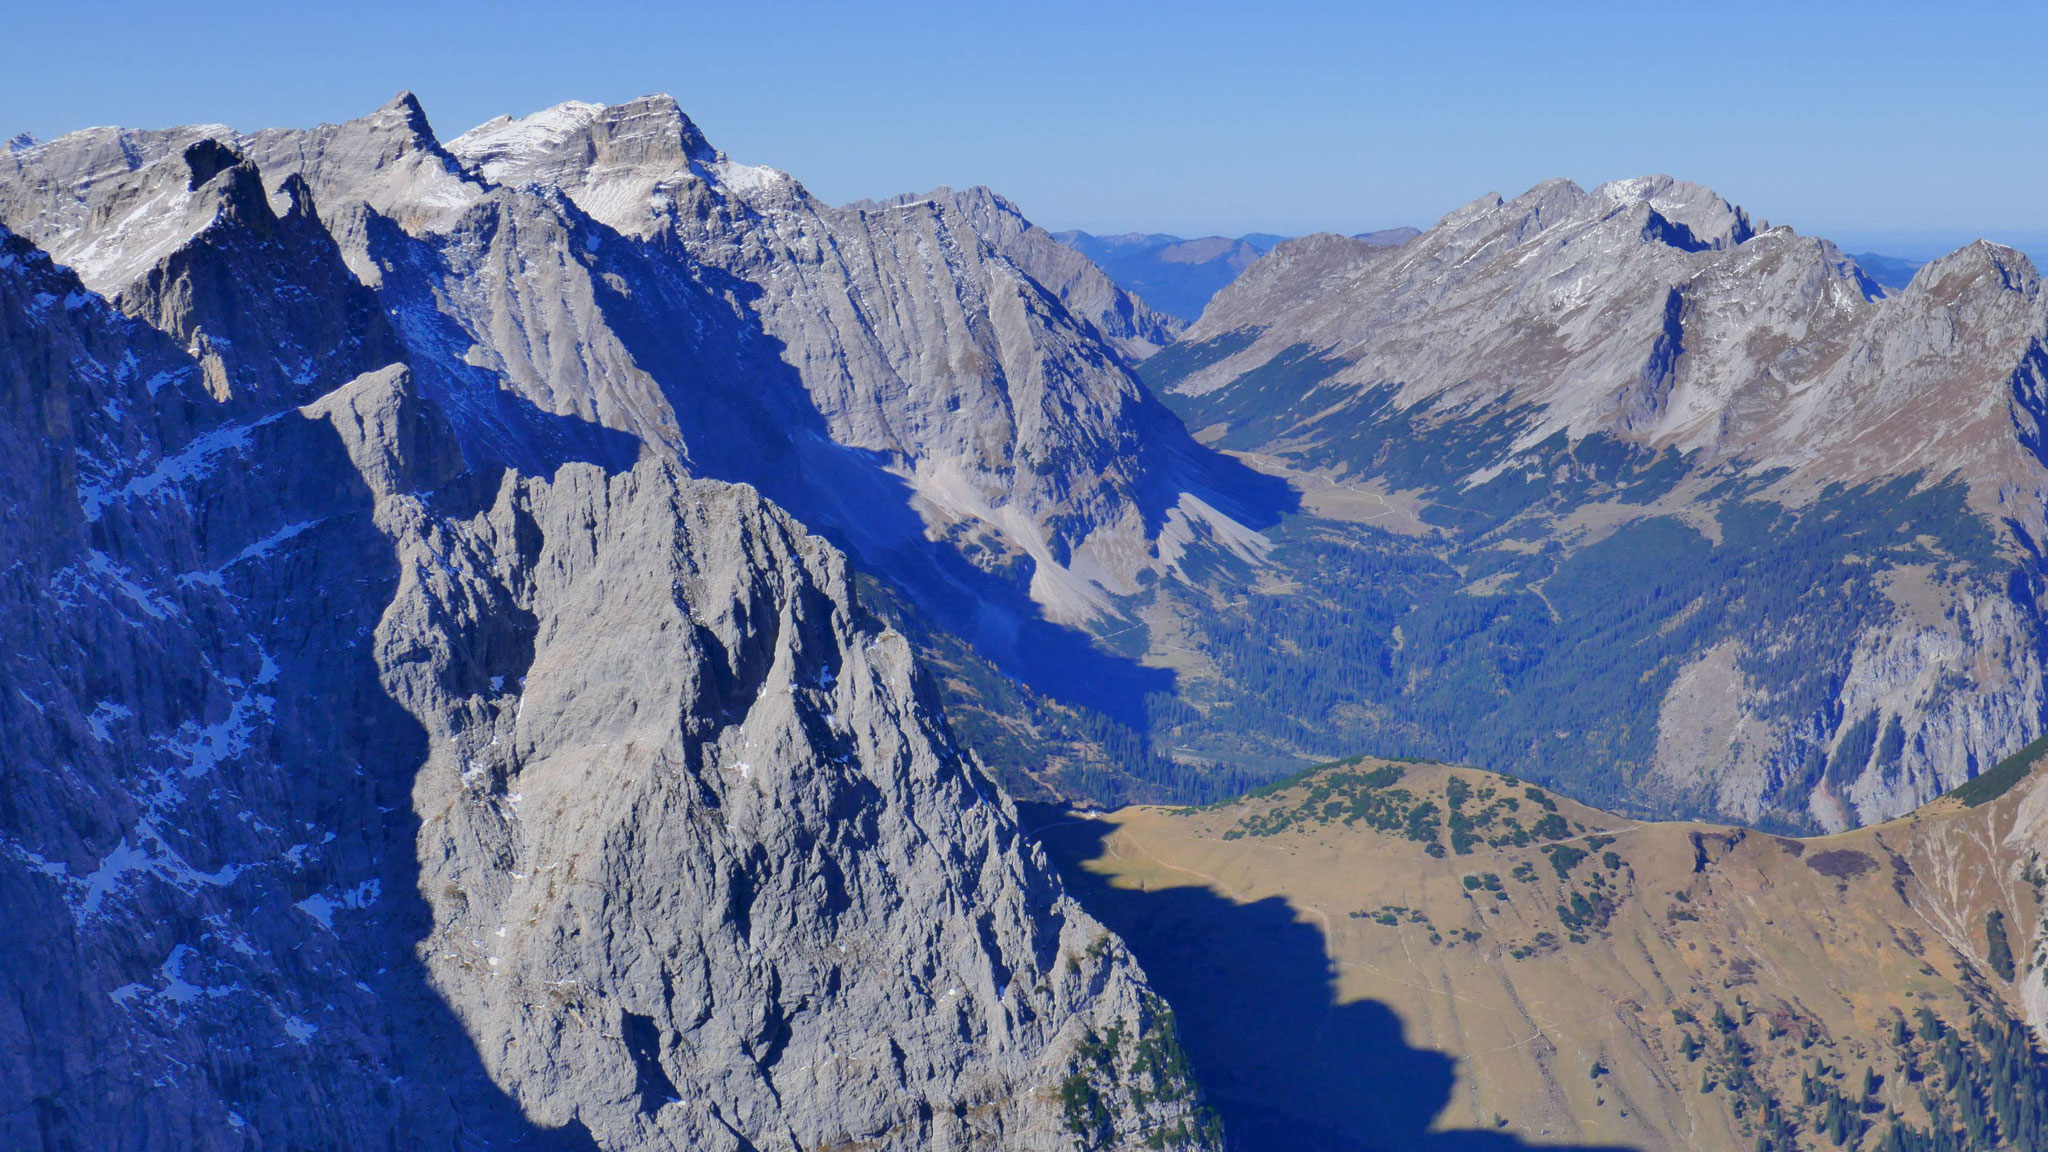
(1288, 1067)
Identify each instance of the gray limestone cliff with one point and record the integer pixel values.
(428, 754)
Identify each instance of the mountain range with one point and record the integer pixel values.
(532, 639)
(1682, 511)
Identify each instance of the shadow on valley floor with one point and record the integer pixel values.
(1289, 1069)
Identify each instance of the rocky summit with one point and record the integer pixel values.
(424, 723)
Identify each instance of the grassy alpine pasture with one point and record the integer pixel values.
(1399, 954)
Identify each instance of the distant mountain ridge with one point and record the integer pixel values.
(1893, 272)
(1179, 276)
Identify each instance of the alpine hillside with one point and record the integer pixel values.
(1628, 491)
(1385, 953)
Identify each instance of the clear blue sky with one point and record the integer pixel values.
(1906, 126)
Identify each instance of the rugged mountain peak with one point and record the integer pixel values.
(404, 112)
(1687, 216)
(653, 127)
(390, 160)
(1975, 268)
(1707, 219)
(1940, 378)
(1542, 206)
(648, 133)
(264, 300)
(109, 203)
(394, 131)
(21, 142)
(1474, 209)
(229, 187)
(1490, 220)
(500, 149)
(204, 159)
(628, 165)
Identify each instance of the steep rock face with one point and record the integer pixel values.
(1130, 325)
(919, 333)
(208, 849)
(299, 690)
(732, 835)
(271, 283)
(934, 382)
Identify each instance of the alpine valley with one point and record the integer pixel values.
(556, 638)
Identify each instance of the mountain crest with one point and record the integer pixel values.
(1975, 267)
(651, 132)
(1711, 220)
(405, 113)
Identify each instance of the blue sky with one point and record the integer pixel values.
(1885, 125)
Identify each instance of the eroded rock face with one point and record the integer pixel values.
(207, 843)
(420, 757)
(731, 834)
(932, 379)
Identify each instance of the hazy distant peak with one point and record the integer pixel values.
(1385, 237)
(1890, 272)
(980, 197)
(1975, 267)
